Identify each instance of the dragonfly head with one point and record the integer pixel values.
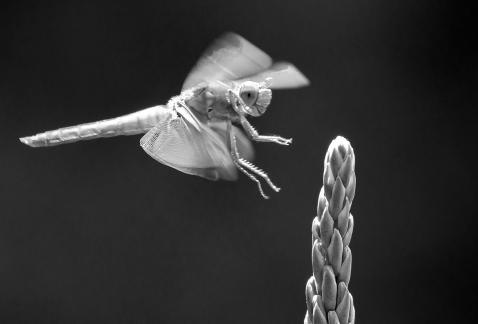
(252, 98)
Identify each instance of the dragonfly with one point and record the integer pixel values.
(198, 131)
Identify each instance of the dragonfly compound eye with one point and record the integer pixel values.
(249, 93)
(256, 97)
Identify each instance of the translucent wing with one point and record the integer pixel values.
(230, 57)
(244, 145)
(197, 151)
(283, 75)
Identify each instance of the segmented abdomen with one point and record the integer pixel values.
(135, 123)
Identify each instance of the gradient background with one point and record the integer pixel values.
(98, 232)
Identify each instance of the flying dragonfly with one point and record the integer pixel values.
(195, 132)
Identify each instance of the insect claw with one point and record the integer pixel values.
(285, 141)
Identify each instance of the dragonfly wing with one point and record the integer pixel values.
(244, 145)
(230, 57)
(201, 152)
(283, 75)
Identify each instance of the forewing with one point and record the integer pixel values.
(176, 143)
(230, 57)
(283, 75)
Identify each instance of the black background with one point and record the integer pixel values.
(99, 232)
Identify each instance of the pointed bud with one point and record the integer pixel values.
(335, 160)
(333, 319)
(307, 319)
(329, 289)
(343, 310)
(336, 202)
(340, 159)
(346, 269)
(341, 290)
(320, 303)
(318, 262)
(350, 229)
(329, 181)
(310, 292)
(343, 218)
(315, 229)
(338, 150)
(350, 190)
(352, 311)
(319, 317)
(321, 203)
(343, 147)
(346, 170)
(335, 250)
(326, 228)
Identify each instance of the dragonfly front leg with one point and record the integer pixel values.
(243, 164)
(263, 138)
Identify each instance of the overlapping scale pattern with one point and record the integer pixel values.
(327, 295)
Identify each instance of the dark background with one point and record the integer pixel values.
(99, 232)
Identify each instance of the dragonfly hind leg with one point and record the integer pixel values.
(252, 170)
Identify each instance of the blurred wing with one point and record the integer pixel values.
(284, 75)
(180, 145)
(230, 57)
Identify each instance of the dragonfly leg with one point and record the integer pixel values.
(263, 138)
(253, 179)
(243, 164)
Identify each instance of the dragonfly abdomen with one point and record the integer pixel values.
(135, 123)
